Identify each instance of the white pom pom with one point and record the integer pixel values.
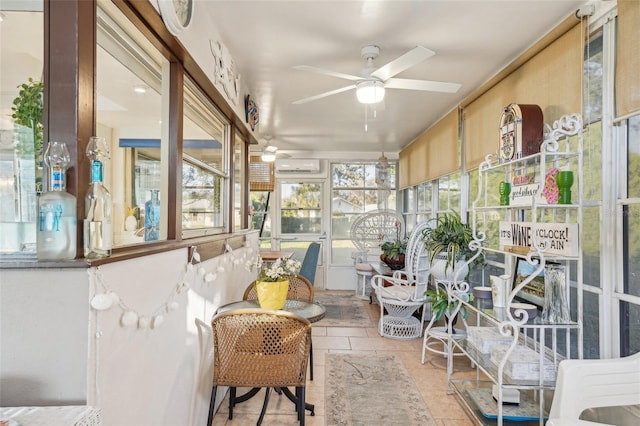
(101, 302)
(143, 322)
(220, 269)
(157, 321)
(210, 277)
(236, 261)
(173, 306)
(129, 318)
(201, 272)
(189, 267)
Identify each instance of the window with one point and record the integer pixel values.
(129, 72)
(205, 165)
(238, 181)
(300, 208)
(354, 192)
(21, 175)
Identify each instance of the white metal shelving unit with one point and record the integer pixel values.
(562, 148)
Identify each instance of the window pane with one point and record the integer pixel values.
(632, 255)
(238, 180)
(129, 110)
(630, 333)
(300, 208)
(260, 212)
(22, 53)
(633, 161)
(204, 164)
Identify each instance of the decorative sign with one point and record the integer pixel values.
(224, 71)
(521, 131)
(523, 195)
(251, 112)
(560, 238)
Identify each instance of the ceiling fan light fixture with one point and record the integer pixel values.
(370, 91)
(268, 156)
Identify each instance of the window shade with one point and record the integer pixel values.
(433, 154)
(628, 58)
(551, 79)
(261, 176)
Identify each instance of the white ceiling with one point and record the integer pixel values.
(473, 40)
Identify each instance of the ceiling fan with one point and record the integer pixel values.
(371, 84)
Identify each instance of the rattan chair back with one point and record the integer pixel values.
(299, 289)
(260, 348)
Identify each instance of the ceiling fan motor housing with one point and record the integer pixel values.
(370, 52)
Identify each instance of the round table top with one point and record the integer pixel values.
(312, 311)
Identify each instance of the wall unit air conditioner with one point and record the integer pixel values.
(295, 165)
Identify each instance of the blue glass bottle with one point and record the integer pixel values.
(98, 233)
(152, 217)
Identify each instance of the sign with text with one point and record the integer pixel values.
(561, 238)
(523, 195)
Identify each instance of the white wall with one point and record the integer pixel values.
(43, 336)
(60, 350)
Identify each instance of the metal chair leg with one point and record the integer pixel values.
(211, 405)
(264, 406)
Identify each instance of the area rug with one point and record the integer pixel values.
(344, 309)
(372, 390)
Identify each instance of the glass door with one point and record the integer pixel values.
(300, 222)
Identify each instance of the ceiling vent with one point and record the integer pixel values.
(294, 165)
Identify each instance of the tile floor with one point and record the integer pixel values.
(431, 378)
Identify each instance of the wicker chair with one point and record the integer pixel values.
(260, 348)
(403, 294)
(300, 288)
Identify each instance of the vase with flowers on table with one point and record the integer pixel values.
(272, 283)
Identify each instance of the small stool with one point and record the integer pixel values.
(436, 340)
(364, 272)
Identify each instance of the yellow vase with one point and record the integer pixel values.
(272, 295)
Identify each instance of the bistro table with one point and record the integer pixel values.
(313, 312)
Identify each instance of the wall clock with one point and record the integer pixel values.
(176, 14)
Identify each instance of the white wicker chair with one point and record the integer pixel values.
(403, 294)
(368, 232)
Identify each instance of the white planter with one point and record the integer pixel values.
(456, 273)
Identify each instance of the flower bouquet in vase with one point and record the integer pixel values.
(272, 283)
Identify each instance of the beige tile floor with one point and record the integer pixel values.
(430, 378)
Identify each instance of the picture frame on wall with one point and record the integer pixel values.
(533, 292)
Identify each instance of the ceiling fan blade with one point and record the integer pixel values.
(401, 63)
(430, 86)
(327, 72)
(324, 95)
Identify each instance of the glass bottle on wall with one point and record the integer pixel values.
(56, 236)
(98, 233)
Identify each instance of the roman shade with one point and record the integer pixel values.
(433, 154)
(628, 58)
(261, 176)
(552, 79)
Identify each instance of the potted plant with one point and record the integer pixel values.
(272, 283)
(448, 245)
(393, 253)
(441, 306)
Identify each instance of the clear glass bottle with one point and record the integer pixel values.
(98, 232)
(555, 309)
(56, 234)
(152, 217)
